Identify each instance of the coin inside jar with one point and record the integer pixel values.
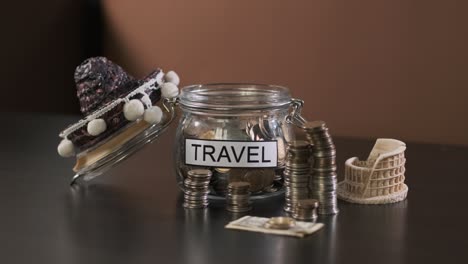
(259, 178)
(237, 174)
(242, 127)
(280, 222)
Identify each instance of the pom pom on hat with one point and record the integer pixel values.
(169, 90)
(66, 148)
(133, 109)
(96, 126)
(153, 115)
(172, 77)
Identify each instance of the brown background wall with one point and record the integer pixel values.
(41, 44)
(369, 68)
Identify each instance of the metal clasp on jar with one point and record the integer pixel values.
(295, 116)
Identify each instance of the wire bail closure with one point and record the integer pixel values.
(295, 116)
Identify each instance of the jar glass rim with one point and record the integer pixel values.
(234, 96)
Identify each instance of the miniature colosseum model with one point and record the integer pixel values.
(379, 179)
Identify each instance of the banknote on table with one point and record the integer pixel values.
(257, 224)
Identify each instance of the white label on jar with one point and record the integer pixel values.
(231, 154)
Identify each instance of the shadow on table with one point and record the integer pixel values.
(202, 237)
(102, 218)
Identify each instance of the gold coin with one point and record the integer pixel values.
(210, 134)
(236, 175)
(259, 178)
(280, 222)
(222, 170)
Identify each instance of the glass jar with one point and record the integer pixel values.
(238, 131)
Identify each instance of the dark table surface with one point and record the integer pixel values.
(133, 214)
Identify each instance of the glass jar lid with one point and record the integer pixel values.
(234, 96)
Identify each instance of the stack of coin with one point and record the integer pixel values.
(324, 177)
(296, 173)
(219, 181)
(196, 188)
(306, 209)
(238, 197)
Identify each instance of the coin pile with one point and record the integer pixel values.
(324, 177)
(238, 197)
(306, 209)
(296, 173)
(219, 181)
(196, 188)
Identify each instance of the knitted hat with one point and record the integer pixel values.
(111, 100)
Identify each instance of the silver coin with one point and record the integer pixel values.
(259, 178)
(270, 127)
(327, 148)
(304, 217)
(304, 213)
(327, 181)
(295, 198)
(328, 212)
(327, 161)
(302, 195)
(325, 153)
(296, 185)
(296, 175)
(298, 168)
(317, 132)
(196, 190)
(239, 205)
(239, 185)
(196, 194)
(298, 156)
(294, 192)
(298, 144)
(321, 140)
(318, 174)
(322, 183)
(195, 201)
(194, 205)
(325, 169)
(330, 205)
(194, 197)
(199, 173)
(297, 179)
(287, 209)
(238, 202)
(315, 125)
(255, 133)
(196, 184)
(199, 185)
(315, 190)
